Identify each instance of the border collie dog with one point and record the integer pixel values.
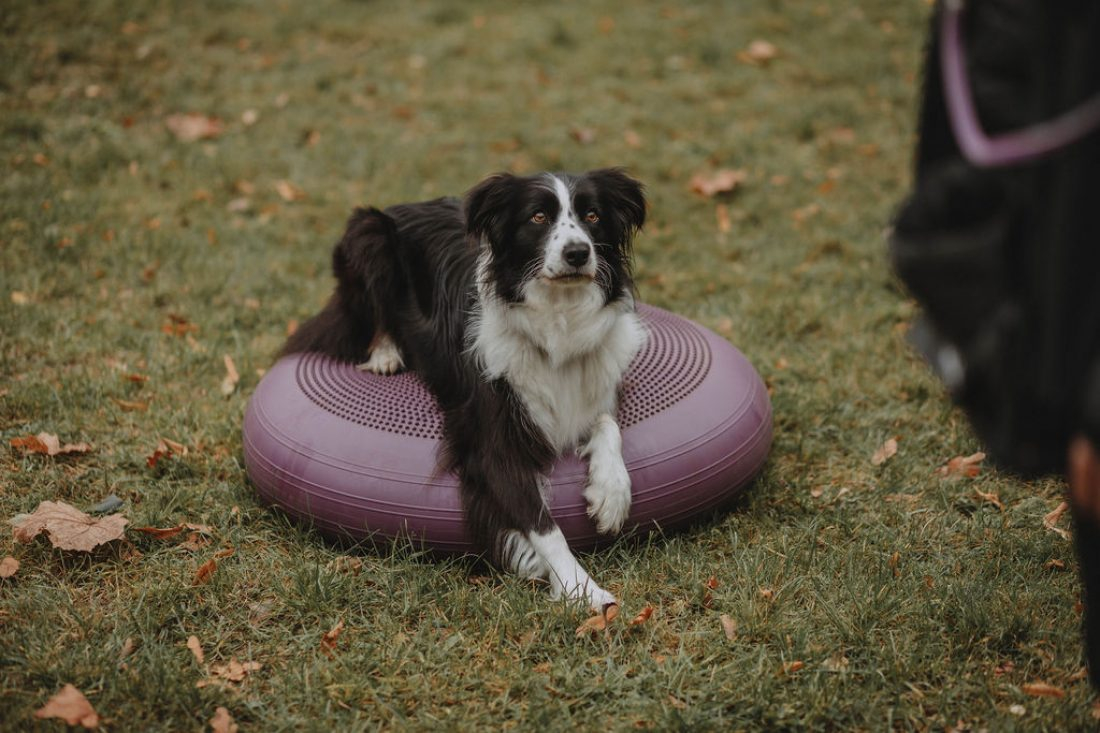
(515, 306)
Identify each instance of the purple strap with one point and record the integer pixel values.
(1010, 147)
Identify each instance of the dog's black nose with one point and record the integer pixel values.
(576, 253)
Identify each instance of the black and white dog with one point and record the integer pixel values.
(516, 308)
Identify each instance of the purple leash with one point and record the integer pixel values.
(1011, 147)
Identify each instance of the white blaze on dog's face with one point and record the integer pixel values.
(569, 253)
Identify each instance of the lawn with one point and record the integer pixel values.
(865, 597)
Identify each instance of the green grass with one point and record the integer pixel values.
(108, 225)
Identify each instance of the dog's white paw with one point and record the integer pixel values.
(385, 358)
(608, 495)
(586, 590)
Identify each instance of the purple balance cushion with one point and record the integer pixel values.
(354, 454)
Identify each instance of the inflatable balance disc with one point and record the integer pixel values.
(354, 454)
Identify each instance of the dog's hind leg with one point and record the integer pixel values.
(567, 578)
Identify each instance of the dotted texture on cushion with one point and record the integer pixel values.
(674, 361)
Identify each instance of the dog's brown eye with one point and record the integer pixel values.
(591, 217)
(538, 217)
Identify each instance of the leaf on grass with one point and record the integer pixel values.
(583, 135)
(202, 575)
(885, 452)
(222, 722)
(47, 444)
(178, 325)
(229, 383)
(235, 671)
(9, 566)
(130, 405)
(642, 616)
(1051, 520)
(990, 497)
(224, 553)
(160, 533)
(195, 646)
(68, 528)
(1042, 689)
(599, 622)
(195, 541)
(720, 181)
(792, 667)
(165, 448)
(329, 638)
(71, 706)
(758, 53)
(729, 627)
(722, 216)
(289, 192)
(966, 466)
(193, 126)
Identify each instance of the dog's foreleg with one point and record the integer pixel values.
(567, 578)
(608, 488)
(385, 357)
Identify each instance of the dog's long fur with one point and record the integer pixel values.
(516, 308)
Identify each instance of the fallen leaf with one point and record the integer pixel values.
(632, 139)
(193, 126)
(328, 639)
(345, 564)
(1050, 520)
(599, 622)
(967, 466)
(758, 53)
(792, 667)
(991, 497)
(222, 722)
(288, 191)
(1042, 689)
(729, 627)
(165, 448)
(195, 646)
(47, 444)
(836, 663)
(1055, 564)
(229, 384)
(224, 553)
(235, 671)
(720, 181)
(128, 648)
(642, 616)
(130, 405)
(68, 528)
(766, 593)
(71, 706)
(8, 567)
(160, 533)
(136, 378)
(178, 325)
(19, 298)
(885, 452)
(202, 575)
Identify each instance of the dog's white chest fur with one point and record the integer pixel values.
(563, 352)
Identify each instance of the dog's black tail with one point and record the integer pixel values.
(363, 265)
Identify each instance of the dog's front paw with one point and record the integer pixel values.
(608, 495)
(385, 358)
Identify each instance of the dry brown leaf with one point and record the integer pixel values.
(19, 297)
(165, 448)
(758, 53)
(128, 648)
(193, 126)
(289, 192)
(720, 181)
(991, 497)
(235, 671)
(47, 444)
(792, 667)
(160, 533)
(599, 622)
(229, 384)
(202, 575)
(642, 616)
(71, 706)
(345, 564)
(222, 722)
(1051, 520)
(329, 638)
(885, 452)
(967, 466)
(130, 405)
(68, 528)
(195, 646)
(178, 325)
(8, 567)
(224, 553)
(729, 627)
(195, 541)
(1042, 689)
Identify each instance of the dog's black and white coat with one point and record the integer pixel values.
(516, 308)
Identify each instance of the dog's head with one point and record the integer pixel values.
(556, 229)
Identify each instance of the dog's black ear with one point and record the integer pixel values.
(487, 205)
(622, 197)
